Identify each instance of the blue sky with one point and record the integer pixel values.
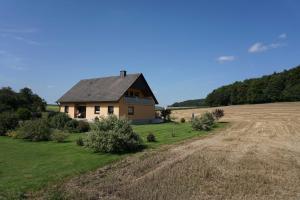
(185, 49)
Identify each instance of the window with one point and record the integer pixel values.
(130, 110)
(110, 110)
(137, 94)
(97, 110)
(126, 94)
(66, 109)
(131, 94)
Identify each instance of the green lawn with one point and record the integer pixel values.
(28, 166)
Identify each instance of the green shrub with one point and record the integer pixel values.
(166, 114)
(8, 121)
(72, 126)
(205, 122)
(151, 137)
(83, 126)
(36, 115)
(59, 121)
(51, 114)
(59, 136)
(79, 141)
(113, 135)
(34, 130)
(218, 113)
(24, 114)
(182, 120)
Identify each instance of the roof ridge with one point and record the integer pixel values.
(138, 74)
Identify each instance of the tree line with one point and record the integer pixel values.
(283, 86)
(11, 101)
(190, 103)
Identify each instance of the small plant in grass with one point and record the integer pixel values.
(218, 113)
(151, 137)
(12, 133)
(182, 120)
(34, 130)
(79, 141)
(205, 122)
(113, 135)
(173, 132)
(59, 136)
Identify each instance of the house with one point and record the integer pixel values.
(126, 95)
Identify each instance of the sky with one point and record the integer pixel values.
(185, 49)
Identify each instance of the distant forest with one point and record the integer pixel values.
(283, 86)
(190, 103)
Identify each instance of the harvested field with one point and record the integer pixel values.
(256, 157)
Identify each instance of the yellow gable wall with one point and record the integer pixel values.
(141, 112)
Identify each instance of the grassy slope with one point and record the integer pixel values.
(29, 166)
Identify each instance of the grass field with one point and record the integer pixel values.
(28, 166)
(51, 107)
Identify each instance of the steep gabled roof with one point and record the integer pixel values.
(103, 89)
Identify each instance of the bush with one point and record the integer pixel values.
(218, 113)
(8, 121)
(59, 121)
(205, 122)
(59, 136)
(83, 126)
(12, 133)
(51, 114)
(34, 130)
(23, 113)
(166, 113)
(182, 120)
(113, 135)
(151, 137)
(79, 141)
(72, 126)
(36, 115)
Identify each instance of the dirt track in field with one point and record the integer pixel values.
(256, 157)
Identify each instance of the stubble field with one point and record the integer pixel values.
(256, 157)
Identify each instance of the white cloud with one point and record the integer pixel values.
(14, 30)
(282, 36)
(257, 47)
(50, 86)
(11, 61)
(19, 38)
(223, 59)
(260, 47)
(31, 42)
(18, 34)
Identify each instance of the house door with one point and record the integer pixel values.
(80, 112)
